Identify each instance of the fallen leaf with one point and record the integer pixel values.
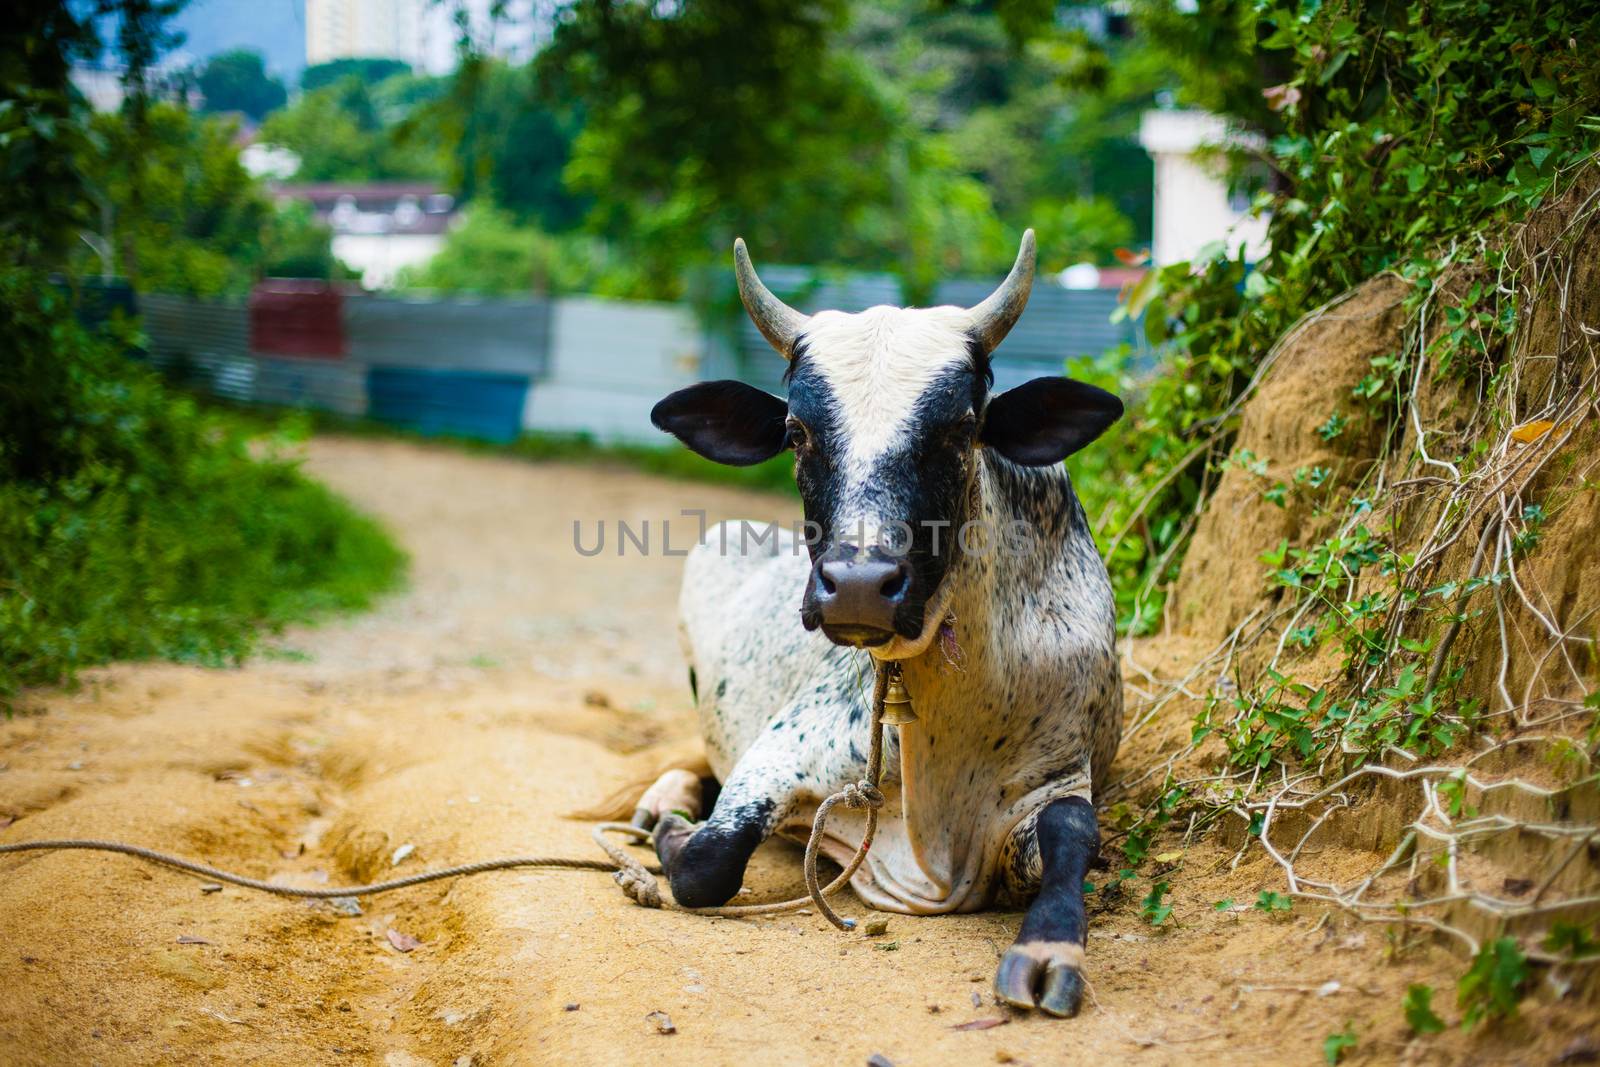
(403, 942)
(662, 1021)
(875, 928)
(1531, 432)
(190, 939)
(981, 1024)
(400, 854)
(211, 887)
(888, 946)
(1169, 857)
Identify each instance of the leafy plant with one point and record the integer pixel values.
(1418, 1006)
(1273, 903)
(1334, 1046)
(133, 524)
(1572, 940)
(1151, 909)
(1492, 986)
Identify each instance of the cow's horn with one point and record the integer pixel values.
(779, 323)
(993, 319)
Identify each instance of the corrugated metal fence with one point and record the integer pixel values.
(572, 365)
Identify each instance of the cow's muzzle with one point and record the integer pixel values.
(855, 596)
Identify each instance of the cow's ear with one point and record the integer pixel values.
(729, 422)
(1046, 420)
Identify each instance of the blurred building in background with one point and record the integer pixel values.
(1194, 202)
(379, 228)
(364, 29)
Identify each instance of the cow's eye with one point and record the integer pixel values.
(798, 436)
(961, 432)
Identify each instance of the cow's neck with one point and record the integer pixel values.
(966, 732)
(994, 590)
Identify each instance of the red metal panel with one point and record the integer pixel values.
(292, 317)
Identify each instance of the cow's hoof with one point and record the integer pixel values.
(671, 834)
(1042, 974)
(675, 790)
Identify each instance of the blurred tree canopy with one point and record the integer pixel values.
(342, 133)
(238, 81)
(913, 136)
(365, 70)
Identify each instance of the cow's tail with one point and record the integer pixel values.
(620, 803)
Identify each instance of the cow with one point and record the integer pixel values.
(941, 532)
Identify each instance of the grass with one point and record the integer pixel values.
(136, 524)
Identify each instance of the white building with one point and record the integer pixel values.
(365, 29)
(1193, 204)
(423, 33)
(379, 228)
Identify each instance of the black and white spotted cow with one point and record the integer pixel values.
(1005, 635)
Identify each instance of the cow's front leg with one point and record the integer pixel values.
(1043, 969)
(705, 863)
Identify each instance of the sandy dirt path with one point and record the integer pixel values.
(513, 681)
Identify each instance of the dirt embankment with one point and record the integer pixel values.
(514, 681)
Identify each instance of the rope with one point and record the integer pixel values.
(636, 879)
(169, 860)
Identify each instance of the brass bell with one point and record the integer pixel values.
(897, 709)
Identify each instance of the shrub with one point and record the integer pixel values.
(132, 524)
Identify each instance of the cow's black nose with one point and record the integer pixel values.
(856, 598)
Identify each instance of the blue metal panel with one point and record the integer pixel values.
(459, 403)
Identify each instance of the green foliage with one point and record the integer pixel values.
(1572, 941)
(491, 253)
(341, 134)
(1334, 1046)
(1418, 1006)
(1398, 127)
(368, 71)
(1080, 231)
(1492, 986)
(296, 245)
(893, 135)
(39, 139)
(177, 211)
(134, 525)
(1273, 903)
(238, 81)
(1151, 909)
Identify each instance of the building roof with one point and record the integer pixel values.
(396, 207)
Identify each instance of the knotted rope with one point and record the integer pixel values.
(636, 879)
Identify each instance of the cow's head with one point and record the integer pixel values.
(886, 412)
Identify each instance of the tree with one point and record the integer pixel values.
(182, 214)
(40, 130)
(238, 81)
(366, 71)
(340, 135)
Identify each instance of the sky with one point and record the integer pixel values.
(277, 29)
